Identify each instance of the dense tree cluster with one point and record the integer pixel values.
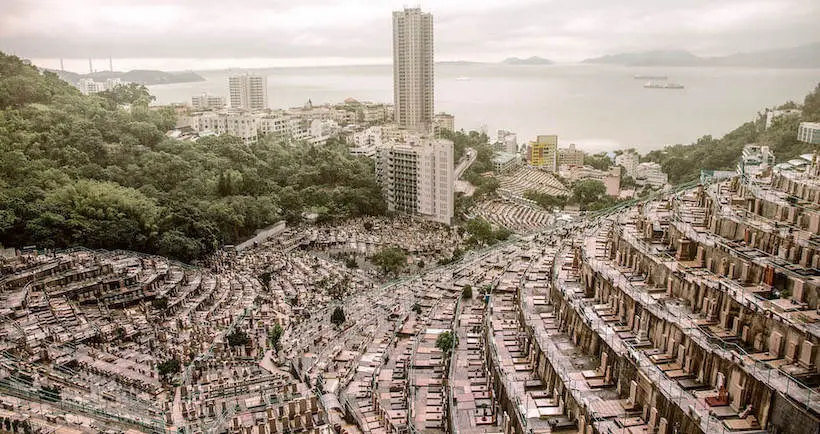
(482, 233)
(98, 171)
(390, 260)
(683, 162)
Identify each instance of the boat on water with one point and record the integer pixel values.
(650, 77)
(653, 85)
(462, 78)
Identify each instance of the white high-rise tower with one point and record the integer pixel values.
(249, 92)
(413, 69)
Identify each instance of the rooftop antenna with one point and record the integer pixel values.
(90, 67)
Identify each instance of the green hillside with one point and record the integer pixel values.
(86, 170)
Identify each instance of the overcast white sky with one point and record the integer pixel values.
(356, 31)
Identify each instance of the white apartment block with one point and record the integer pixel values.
(207, 102)
(443, 121)
(413, 69)
(417, 178)
(88, 86)
(650, 174)
(248, 92)
(241, 125)
(629, 160)
(809, 132)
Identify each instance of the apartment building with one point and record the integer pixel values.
(248, 91)
(650, 174)
(570, 156)
(629, 160)
(417, 178)
(413, 69)
(809, 132)
(543, 152)
(443, 121)
(206, 101)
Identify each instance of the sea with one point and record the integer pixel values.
(597, 107)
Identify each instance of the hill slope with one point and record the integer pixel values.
(806, 56)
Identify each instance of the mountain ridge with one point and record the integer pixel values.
(803, 56)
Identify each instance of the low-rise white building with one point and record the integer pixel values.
(755, 159)
(208, 102)
(650, 174)
(809, 132)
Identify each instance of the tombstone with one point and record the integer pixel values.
(791, 351)
(681, 354)
(653, 418)
(662, 426)
(735, 326)
(806, 354)
(721, 381)
(775, 342)
(604, 360)
(272, 425)
(292, 408)
(633, 392)
(797, 290)
(313, 404)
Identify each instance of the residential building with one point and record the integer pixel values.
(443, 121)
(248, 91)
(417, 178)
(771, 115)
(629, 160)
(505, 162)
(111, 83)
(543, 152)
(88, 86)
(507, 142)
(570, 156)
(650, 174)
(242, 125)
(413, 69)
(207, 102)
(809, 132)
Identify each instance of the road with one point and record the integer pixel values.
(466, 162)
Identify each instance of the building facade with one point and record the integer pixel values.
(413, 69)
(443, 121)
(809, 132)
(570, 156)
(543, 152)
(417, 178)
(650, 174)
(629, 160)
(248, 92)
(207, 102)
(505, 162)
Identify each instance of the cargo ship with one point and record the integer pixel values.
(651, 85)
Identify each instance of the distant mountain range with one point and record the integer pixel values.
(534, 60)
(141, 76)
(805, 56)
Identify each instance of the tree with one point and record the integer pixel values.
(811, 106)
(467, 292)
(445, 342)
(368, 226)
(168, 367)
(275, 337)
(587, 191)
(599, 161)
(390, 260)
(337, 318)
(238, 338)
(416, 308)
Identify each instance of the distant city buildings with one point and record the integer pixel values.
(506, 141)
(543, 152)
(248, 91)
(650, 174)
(88, 86)
(417, 178)
(570, 156)
(629, 160)
(413, 69)
(809, 132)
(207, 102)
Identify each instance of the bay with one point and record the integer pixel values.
(598, 107)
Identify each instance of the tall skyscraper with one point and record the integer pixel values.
(413, 69)
(248, 91)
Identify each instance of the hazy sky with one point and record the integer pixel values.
(360, 30)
